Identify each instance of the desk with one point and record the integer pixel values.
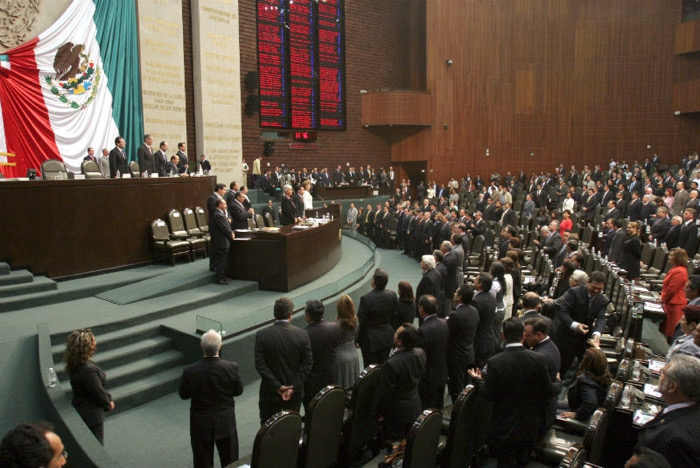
(63, 228)
(344, 191)
(287, 259)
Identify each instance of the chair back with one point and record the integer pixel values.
(177, 227)
(647, 251)
(469, 425)
(53, 169)
(613, 396)
(422, 440)
(269, 222)
(251, 223)
(477, 244)
(259, 221)
(190, 222)
(90, 170)
(160, 230)
(575, 457)
(594, 438)
(361, 426)
(324, 421)
(277, 442)
(201, 219)
(134, 169)
(587, 235)
(660, 258)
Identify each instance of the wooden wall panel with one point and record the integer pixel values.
(396, 108)
(538, 83)
(686, 96)
(688, 37)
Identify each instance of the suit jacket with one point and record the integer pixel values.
(549, 350)
(671, 237)
(289, 211)
(528, 314)
(611, 214)
(434, 334)
(211, 202)
(450, 286)
(680, 200)
(615, 253)
(675, 435)
(160, 160)
(117, 162)
(352, 216)
(462, 325)
(518, 383)
(552, 243)
(631, 253)
(529, 208)
(430, 283)
(283, 356)
(103, 164)
(634, 210)
(660, 228)
(508, 218)
(182, 162)
(145, 159)
(397, 395)
(688, 238)
(574, 308)
(375, 314)
(239, 216)
(324, 337)
(485, 305)
(211, 384)
(90, 398)
(220, 230)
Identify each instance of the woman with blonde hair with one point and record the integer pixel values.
(673, 291)
(347, 359)
(87, 380)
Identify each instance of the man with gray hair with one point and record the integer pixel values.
(675, 432)
(211, 384)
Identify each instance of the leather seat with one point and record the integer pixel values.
(320, 444)
(555, 444)
(361, 428)
(53, 169)
(134, 169)
(259, 221)
(164, 246)
(277, 442)
(192, 229)
(201, 219)
(178, 232)
(422, 440)
(90, 170)
(469, 425)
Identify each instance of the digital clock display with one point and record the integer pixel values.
(305, 136)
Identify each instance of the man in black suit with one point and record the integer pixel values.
(519, 385)
(661, 225)
(211, 384)
(183, 163)
(634, 208)
(204, 164)
(611, 211)
(160, 159)
(675, 432)
(450, 262)
(283, 358)
(398, 403)
(671, 237)
(338, 176)
(221, 236)
(117, 158)
(485, 305)
(508, 216)
(324, 337)
(212, 201)
(688, 235)
(375, 313)
(434, 336)
(145, 155)
(531, 310)
(237, 212)
(615, 252)
(537, 339)
(431, 282)
(462, 325)
(90, 155)
(581, 317)
(288, 214)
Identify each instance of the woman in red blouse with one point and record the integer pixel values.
(673, 291)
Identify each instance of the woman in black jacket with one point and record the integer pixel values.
(591, 386)
(87, 380)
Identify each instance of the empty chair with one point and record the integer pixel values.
(277, 442)
(469, 426)
(556, 442)
(192, 229)
(90, 170)
(422, 440)
(320, 443)
(178, 231)
(201, 219)
(53, 169)
(164, 246)
(269, 222)
(251, 223)
(134, 169)
(360, 428)
(259, 221)
(575, 457)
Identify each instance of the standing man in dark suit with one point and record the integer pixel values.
(183, 165)
(615, 252)
(434, 336)
(145, 155)
(519, 385)
(531, 310)
(324, 337)
(338, 176)
(450, 261)
(431, 282)
(377, 309)
(675, 432)
(90, 155)
(288, 214)
(283, 358)
(688, 236)
(462, 325)
(661, 225)
(671, 237)
(160, 159)
(239, 215)
(537, 339)
(211, 384)
(581, 317)
(221, 237)
(398, 403)
(212, 201)
(117, 158)
(485, 305)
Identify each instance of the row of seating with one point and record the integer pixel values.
(53, 169)
(185, 235)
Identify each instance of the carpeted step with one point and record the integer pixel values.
(124, 355)
(16, 277)
(139, 369)
(108, 341)
(144, 390)
(24, 301)
(39, 284)
(4, 268)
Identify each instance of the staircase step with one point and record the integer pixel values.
(4, 268)
(39, 284)
(144, 390)
(123, 355)
(132, 372)
(108, 341)
(25, 301)
(16, 277)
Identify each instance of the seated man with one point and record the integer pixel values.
(675, 432)
(31, 446)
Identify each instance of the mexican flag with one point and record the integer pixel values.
(74, 86)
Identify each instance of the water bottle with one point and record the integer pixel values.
(53, 380)
(119, 174)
